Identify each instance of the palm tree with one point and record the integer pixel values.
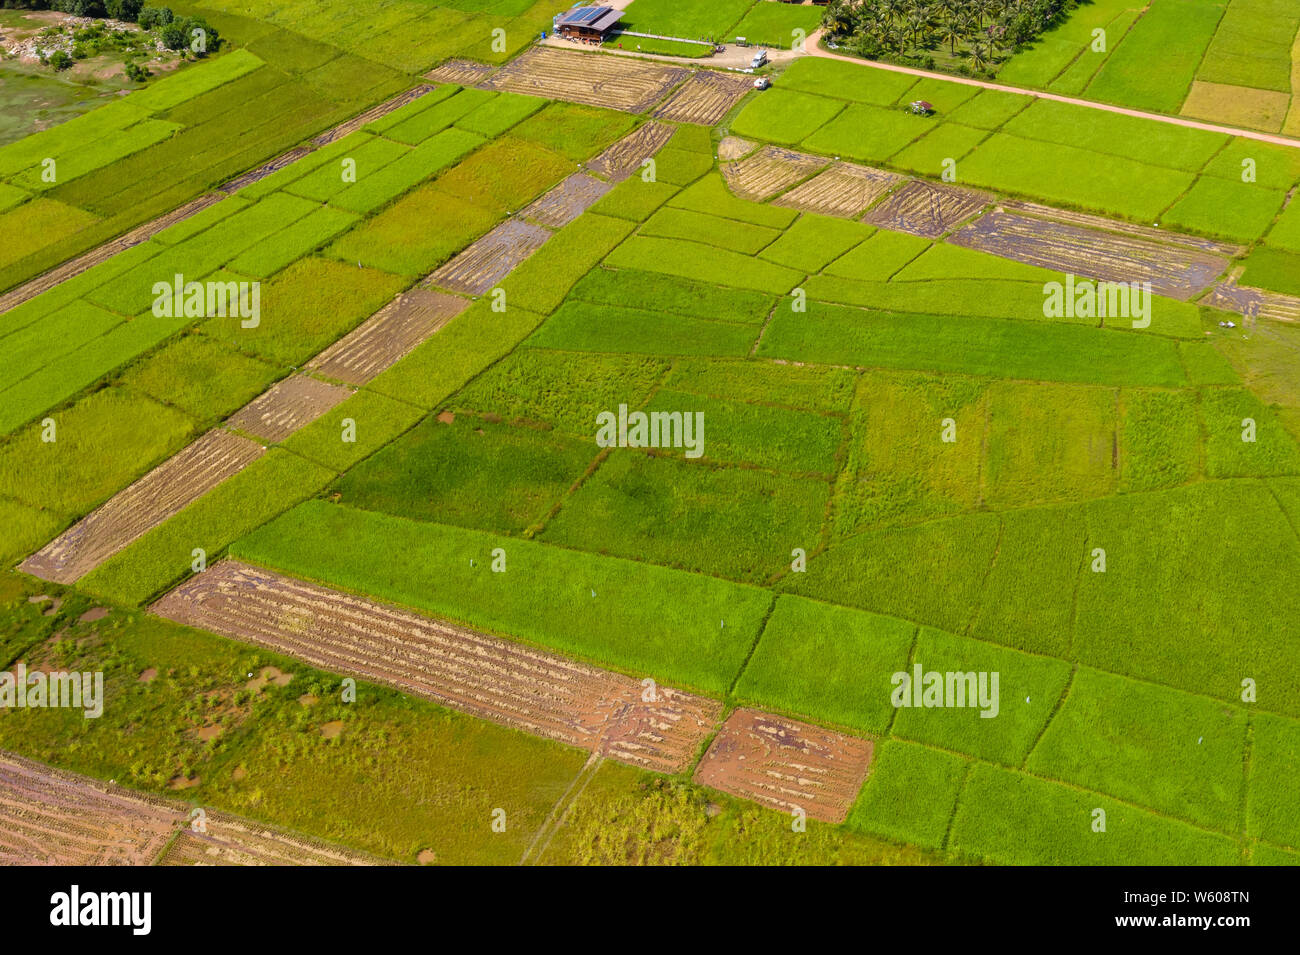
(979, 55)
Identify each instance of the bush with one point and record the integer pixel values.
(152, 17)
(125, 10)
(59, 60)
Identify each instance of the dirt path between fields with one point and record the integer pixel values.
(813, 47)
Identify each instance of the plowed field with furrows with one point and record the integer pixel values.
(624, 157)
(610, 81)
(786, 764)
(286, 407)
(128, 515)
(481, 675)
(570, 199)
(769, 171)
(1172, 271)
(52, 818)
(843, 190)
(491, 258)
(704, 98)
(926, 209)
(387, 335)
(228, 840)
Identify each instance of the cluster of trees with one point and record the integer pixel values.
(176, 33)
(987, 31)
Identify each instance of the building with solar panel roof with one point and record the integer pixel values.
(587, 23)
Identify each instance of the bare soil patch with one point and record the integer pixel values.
(570, 199)
(614, 82)
(93, 614)
(1175, 271)
(733, 147)
(229, 840)
(48, 817)
(844, 190)
(624, 157)
(926, 209)
(128, 515)
(786, 764)
(485, 263)
(287, 406)
(769, 171)
(386, 336)
(481, 675)
(460, 72)
(705, 97)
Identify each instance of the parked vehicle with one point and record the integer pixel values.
(762, 83)
(759, 59)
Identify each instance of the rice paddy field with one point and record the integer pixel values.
(573, 453)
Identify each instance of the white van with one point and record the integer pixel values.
(759, 59)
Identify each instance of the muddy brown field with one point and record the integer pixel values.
(1087, 220)
(287, 406)
(485, 676)
(128, 515)
(1252, 302)
(844, 190)
(386, 336)
(705, 98)
(461, 73)
(786, 764)
(926, 209)
(625, 157)
(48, 817)
(615, 82)
(1174, 271)
(485, 263)
(570, 199)
(769, 171)
(220, 839)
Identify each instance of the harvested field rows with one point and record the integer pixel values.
(733, 147)
(769, 171)
(1175, 271)
(48, 817)
(844, 190)
(614, 82)
(1090, 221)
(570, 199)
(704, 98)
(926, 209)
(1253, 302)
(286, 407)
(51, 817)
(228, 840)
(491, 258)
(624, 157)
(485, 676)
(164, 491)
(387, 335)
(786, 764)
(460, 72)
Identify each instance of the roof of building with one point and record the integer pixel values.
(591, 18)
